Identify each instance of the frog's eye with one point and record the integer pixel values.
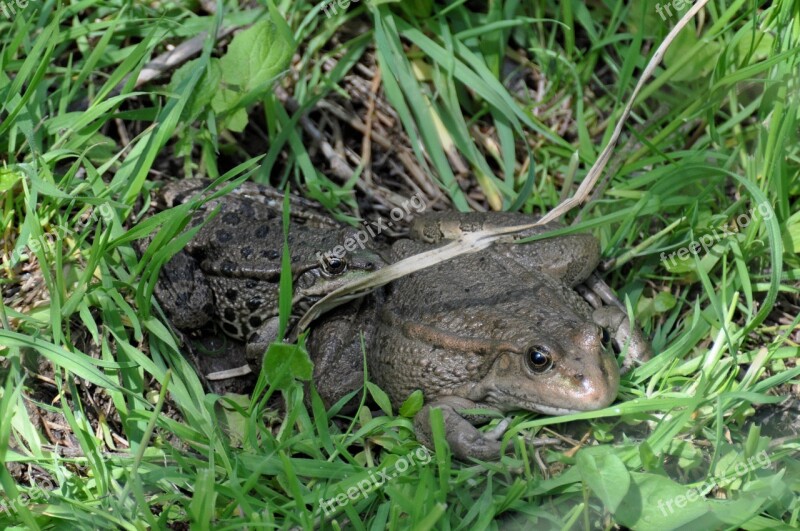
(333, 265)
(539, 359)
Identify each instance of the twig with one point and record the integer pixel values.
(366, 142)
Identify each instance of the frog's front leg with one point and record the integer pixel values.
(464, 438)
(183, 292)
(257, 345)
(259, 341)
(596, 292)
(617, 322)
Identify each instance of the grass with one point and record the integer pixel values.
(104, 423)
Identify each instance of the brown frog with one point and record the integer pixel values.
(502, 329)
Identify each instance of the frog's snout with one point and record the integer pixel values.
(600, 389)
(596, 374)
(588, 337)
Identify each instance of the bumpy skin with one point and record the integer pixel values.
(334, 345)
(571, 259)
(470, 339)
(229, 272)
(465, 331)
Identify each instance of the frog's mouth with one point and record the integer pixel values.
(564, 400)
(525, 404)
(554, 411)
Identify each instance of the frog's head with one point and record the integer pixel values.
(333, 271)
(555, 374)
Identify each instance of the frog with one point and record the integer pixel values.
(498, 330)
(571, 259)
(229, 272)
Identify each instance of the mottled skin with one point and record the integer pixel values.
(496, 339)
(570, 259)
(335, 347)
(229, 271)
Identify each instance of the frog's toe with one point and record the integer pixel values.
(259, 341)
(465, 440)
(596, 292)
(624, 336)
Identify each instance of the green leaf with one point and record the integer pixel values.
(606, 475)
(231, 414)
(412, 405)
(237, 121)
(285, 362)
(380, 397)
(8, 178)
(701, 63)
(664, 301)
(254, 59)
(205, 90)
(258, 54)
(657, 502)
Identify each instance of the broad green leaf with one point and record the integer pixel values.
(380, 397)
(284, 362)
(412, 405)
(257, 55)
(207, 87)
(606, 475)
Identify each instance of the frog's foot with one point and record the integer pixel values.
(596, 292)
(617, 322)
(464, 438)
(259, 341)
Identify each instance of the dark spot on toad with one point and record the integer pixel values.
(231, 218)
(254, 303)
(231, 294)
(262, 231)
(227, 267)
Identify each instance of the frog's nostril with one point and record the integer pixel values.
(369, 265)
(589, 336)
